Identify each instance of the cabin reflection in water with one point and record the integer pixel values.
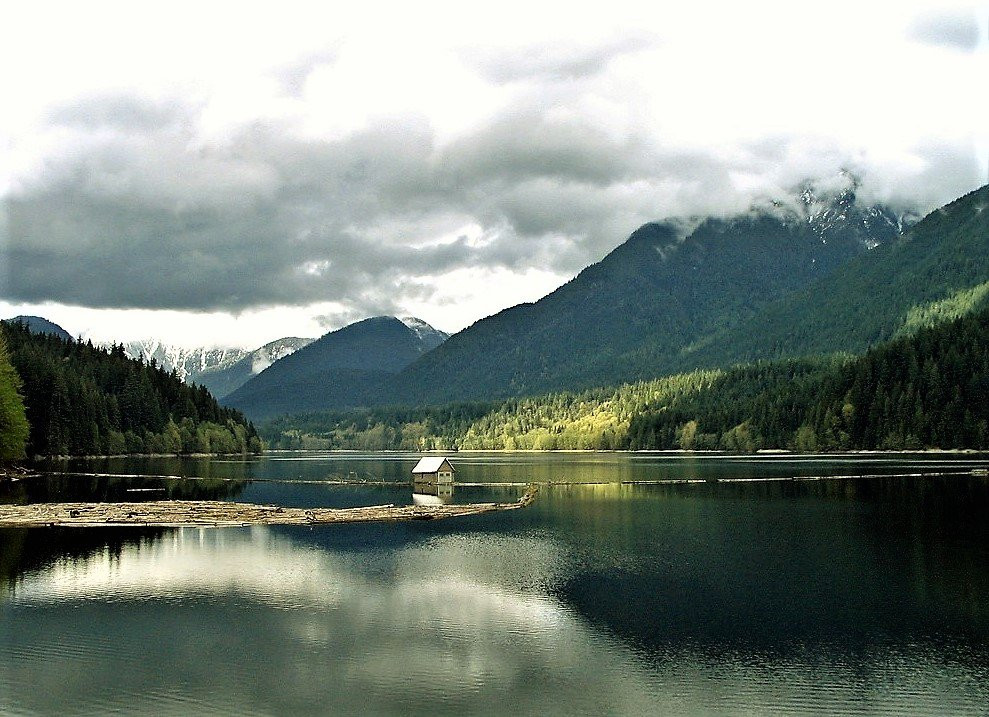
(432, 493)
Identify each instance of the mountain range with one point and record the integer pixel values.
(646, 307)
(221, 370)
(814, 275)
(779, 281)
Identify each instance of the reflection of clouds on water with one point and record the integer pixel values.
(262, 621)
(454, 622)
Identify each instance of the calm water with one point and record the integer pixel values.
(858, 595)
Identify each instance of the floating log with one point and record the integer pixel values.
(212, 513)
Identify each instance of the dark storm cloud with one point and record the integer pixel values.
(139, 213)
(957, 30)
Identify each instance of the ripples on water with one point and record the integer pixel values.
(858, 596)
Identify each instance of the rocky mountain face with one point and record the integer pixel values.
(189, 364)
(224, 380)
(222, 370)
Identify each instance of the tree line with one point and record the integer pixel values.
(81, 399)
(923, 391)
(926, 390)
(593, 419)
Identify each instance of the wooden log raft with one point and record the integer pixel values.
(211, 513)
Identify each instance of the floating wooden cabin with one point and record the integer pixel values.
(433, 469)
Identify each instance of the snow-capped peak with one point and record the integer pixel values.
(420, 327)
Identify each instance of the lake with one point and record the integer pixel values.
(837, 585)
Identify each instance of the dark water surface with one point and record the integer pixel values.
(857, 595)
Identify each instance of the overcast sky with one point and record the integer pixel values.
(212, 174)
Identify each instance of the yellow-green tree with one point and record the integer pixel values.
(13, 422)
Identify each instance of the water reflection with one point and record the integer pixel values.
(427, 493)
(23, 550)
(59, 488)
(862, 596)
(308, 632)
(259, 622)
(526, 467)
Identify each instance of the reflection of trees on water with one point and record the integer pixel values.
(25, 549)
(114, 489)
(234, 468)
(777, 563)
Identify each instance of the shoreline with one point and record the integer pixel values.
(760, 453)
(40, 459)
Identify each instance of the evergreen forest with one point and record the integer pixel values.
(66, 397)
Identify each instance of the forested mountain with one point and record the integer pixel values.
(920, 391)
(342, 368)
(82, 399)
(937, 272)
(925, 390)
(40, 325)
(653, 299)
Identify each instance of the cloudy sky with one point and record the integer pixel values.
(211, 174)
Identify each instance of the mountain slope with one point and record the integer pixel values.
(631, 315)
(189, 364)
(342, 368)
(40, 325)
(937, 272)
(224, 379)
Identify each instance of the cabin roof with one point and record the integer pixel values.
(432, 464)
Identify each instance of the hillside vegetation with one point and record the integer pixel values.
(593, 419)
(923, 391)
(84, 400)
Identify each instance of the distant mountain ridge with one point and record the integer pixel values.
(40, 325)
(221, 370)
(225, 379)
(188, 363)
(345, 367)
